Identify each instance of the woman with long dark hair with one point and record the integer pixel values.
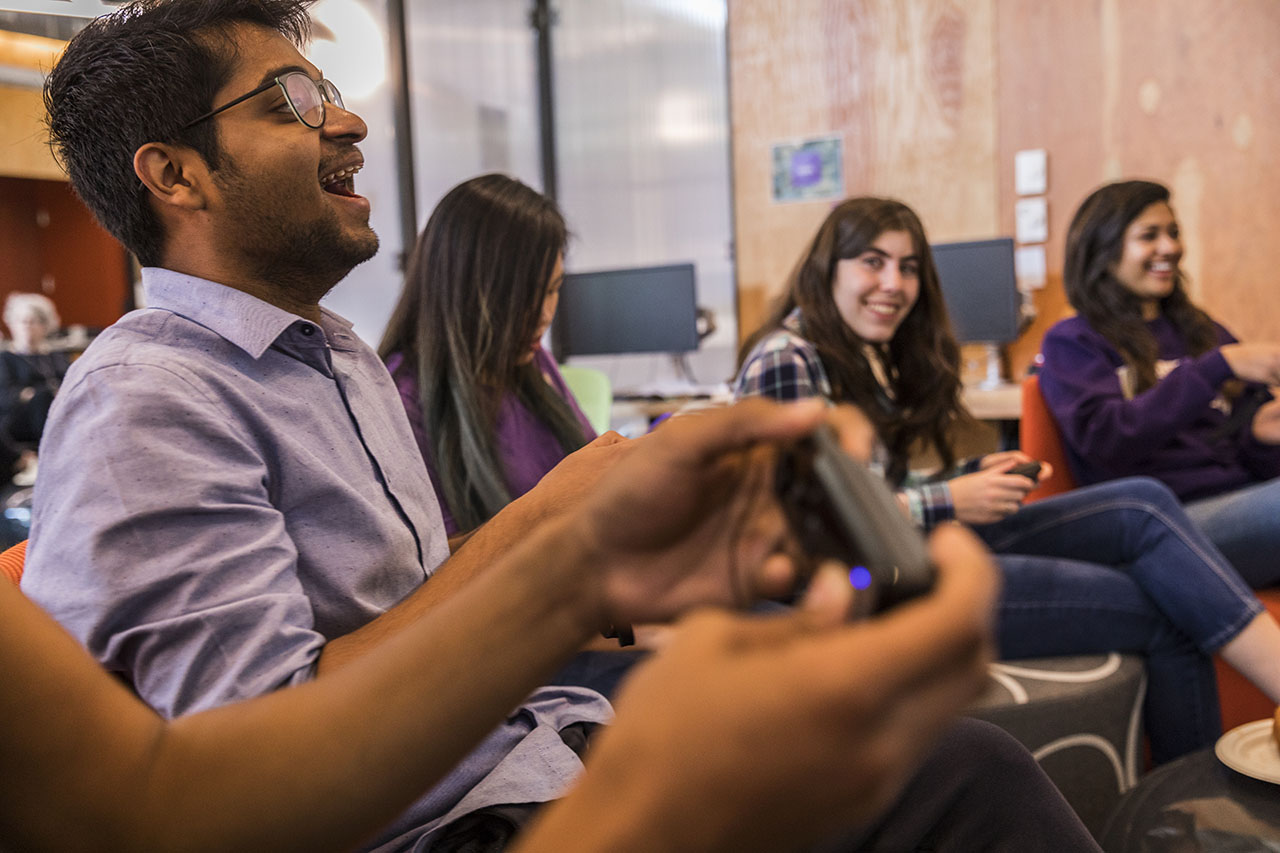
(488, 406)
(1115, 567)
(1142, 380)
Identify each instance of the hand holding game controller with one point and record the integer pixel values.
(840, 511)
(1030, 470)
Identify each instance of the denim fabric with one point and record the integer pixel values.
(1138, 527)
(1245, 525)
(1118, 566)
(1054, 606)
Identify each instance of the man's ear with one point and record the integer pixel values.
(174, 174)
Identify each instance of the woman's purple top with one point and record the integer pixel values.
(1180, 431)
(526, 447)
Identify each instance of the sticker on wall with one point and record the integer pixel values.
(808, 170)
(1031, 267)
(1031, 216)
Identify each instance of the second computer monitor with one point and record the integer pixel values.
(980, 289)
(611, 312)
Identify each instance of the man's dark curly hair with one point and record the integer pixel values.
(139, 75)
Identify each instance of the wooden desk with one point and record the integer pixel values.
(1001, 403)
(632, 416)
(1000, 406)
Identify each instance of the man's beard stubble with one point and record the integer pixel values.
(305, 258)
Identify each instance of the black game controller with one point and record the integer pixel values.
(1030, 470)
(840, 510)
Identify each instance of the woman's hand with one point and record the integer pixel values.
(1014, 457)
(990, 494)
(1254, 362)
(1266, 422)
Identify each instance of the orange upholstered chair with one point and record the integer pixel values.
(13, 560)
(1242, 702)
(1039, 438)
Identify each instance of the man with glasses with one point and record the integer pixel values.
(230, 499)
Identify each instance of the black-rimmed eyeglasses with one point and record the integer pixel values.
(305, 96)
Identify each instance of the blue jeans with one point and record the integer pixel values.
(1119, 567)
(1245, 525)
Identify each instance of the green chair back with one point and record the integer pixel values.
(593, 392)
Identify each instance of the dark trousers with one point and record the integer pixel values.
(979, 790)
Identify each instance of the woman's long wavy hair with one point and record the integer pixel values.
(922, 361)
(1095, 244)
(470, 308)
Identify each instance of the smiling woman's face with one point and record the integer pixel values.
(1148, 264)
(875, 291)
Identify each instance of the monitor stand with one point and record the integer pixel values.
(680, 362)
(993, 379)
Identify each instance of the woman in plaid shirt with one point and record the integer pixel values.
(1112, 567)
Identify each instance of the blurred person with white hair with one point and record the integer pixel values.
(30, 373)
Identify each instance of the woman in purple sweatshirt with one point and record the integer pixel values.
(487, 404)
(1144, 382)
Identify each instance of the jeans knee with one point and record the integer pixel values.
(1151, 492)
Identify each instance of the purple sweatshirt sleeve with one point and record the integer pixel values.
(1082, 389)
(407, 387)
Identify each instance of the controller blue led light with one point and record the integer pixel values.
(860, 577)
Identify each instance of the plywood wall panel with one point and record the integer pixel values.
(1054, 92)
(780, 88)
(1204, 117)
(910, 88)
(24, 145)
(934, 98)
(1183, 92)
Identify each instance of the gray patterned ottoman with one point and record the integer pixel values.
(1081, 717)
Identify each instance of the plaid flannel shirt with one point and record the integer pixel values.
(784, 366)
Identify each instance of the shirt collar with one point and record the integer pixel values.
(244, 320)
(791, 322)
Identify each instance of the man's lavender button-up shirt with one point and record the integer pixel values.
(223, 487)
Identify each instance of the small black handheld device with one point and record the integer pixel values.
(840, 510)
(1030, 470)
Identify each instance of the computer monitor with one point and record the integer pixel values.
(641, 310)
(980, 289)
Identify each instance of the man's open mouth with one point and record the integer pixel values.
(341, 182)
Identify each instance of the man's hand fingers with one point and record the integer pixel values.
(856, 434)
(606, 438)
(829, 598)
(923, 639)
(741, 425)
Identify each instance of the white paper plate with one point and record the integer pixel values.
(1250, 749)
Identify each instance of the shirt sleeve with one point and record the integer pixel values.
(781, 374)
(1261, 460)
(929, 504)
(157, 545)
(1083, 390)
